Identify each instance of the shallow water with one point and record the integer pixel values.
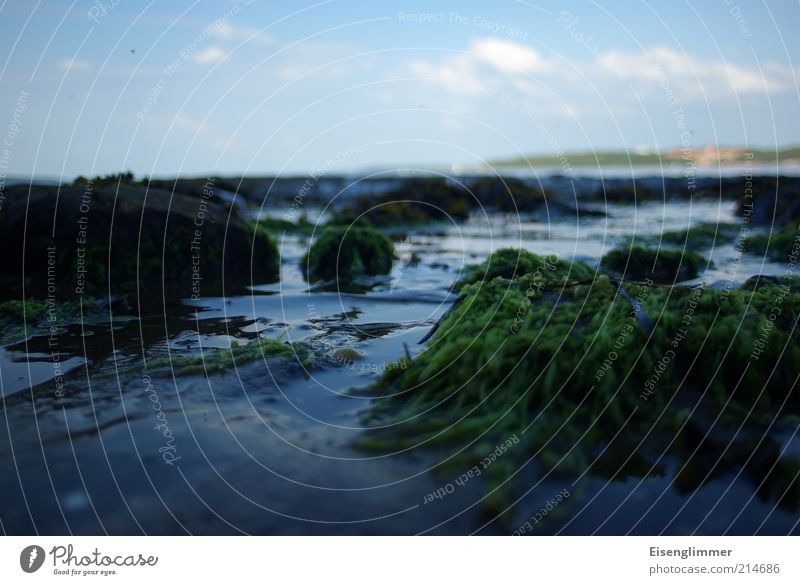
(267, 447)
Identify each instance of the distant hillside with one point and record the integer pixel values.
(706, 157)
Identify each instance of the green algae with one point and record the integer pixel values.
(278, 226)
(265, 256)
(778, 245)
(19, 319)
(31, 310)
(657, 264)
(701, 236)
(511, 262)
(221, 360)
(569, 368)
(342, 253)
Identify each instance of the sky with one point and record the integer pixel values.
(278, 87)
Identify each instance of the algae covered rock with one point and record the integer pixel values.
(701, 236)
(512, 262)
(757, 281)
(657, 264)
(571, 370)
(343, 253)
(779, 245)
(130, 239)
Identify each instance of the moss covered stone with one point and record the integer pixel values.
(778, 245)
(657, 264)
(512, 262)
(343, 253)
(279, 226)
(702, 236)
(573, 372)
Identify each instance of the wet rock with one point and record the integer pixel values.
(771, 201)
(779, 245)
(700, 236)
(343, 253)
(657, 264)
(346, 354)
(570, 365)
(128, 240)
(754, 283)
(512, 262)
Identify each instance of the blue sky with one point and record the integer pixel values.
(197, 87)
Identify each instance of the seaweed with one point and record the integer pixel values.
(276, 225)
(660, 265)
(512, 262)
(570, 370)
(220, 360)
(264, 254)
(778, 245)
(19, 319)
(343, 253)
(702, 236)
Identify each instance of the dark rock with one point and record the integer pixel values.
(128, 240)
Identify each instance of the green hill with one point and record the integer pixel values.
(701, 157)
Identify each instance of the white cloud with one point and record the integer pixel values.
(290, 72)
(528, 87)
(227, 32)
(210, 55)
(477, 69)
(753, 81)
(186, 123)
(68, 65)
(694, 76)
(457, 73)
(513, 73)
(509, 56)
